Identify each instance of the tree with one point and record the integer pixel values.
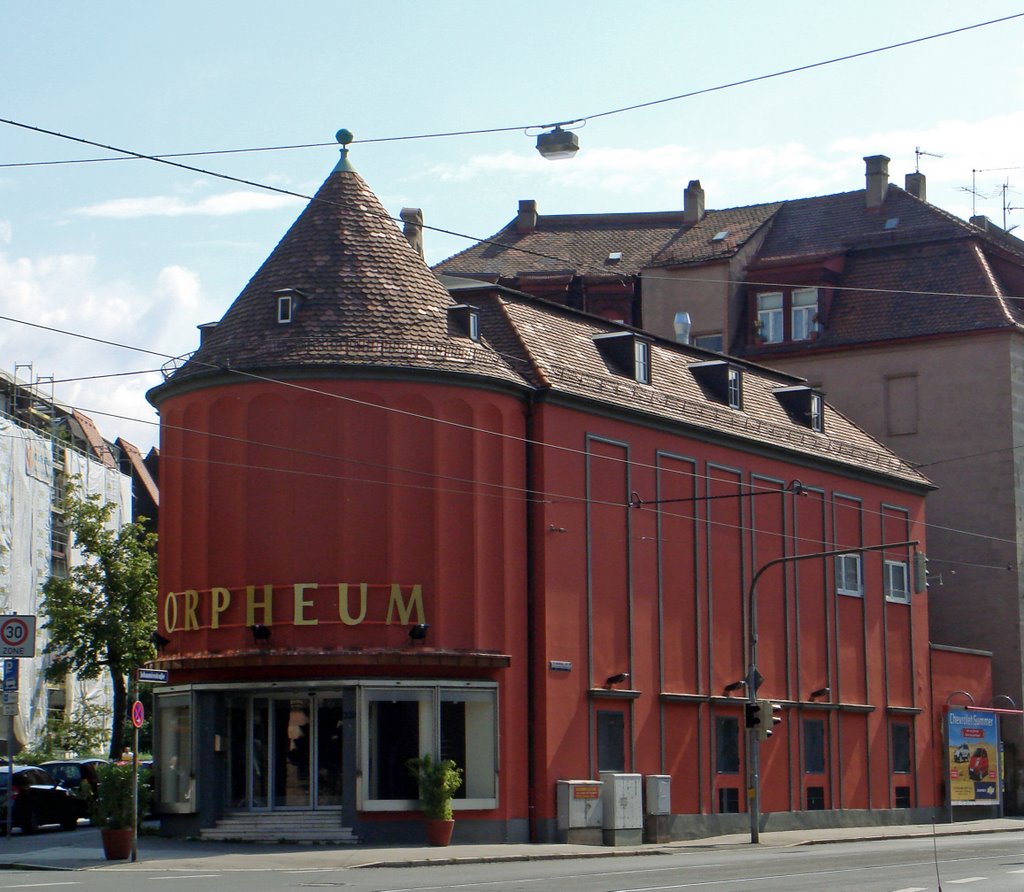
(101, 616)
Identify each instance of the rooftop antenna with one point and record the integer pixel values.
(974, 185)
(918, 152)
(1007, 207)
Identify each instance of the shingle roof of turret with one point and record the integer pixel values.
(364, 297)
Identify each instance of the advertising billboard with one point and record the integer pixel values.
(972, 738)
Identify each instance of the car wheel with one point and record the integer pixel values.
(29, 821)
(69, 823)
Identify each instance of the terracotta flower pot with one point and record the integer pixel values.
(117, 844)
(439, 831)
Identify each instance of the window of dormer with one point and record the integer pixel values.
(735, 389)
(284, 308)
(720, 382)
(786, 315)
(464, 319)
(627, 354)
(642, 361)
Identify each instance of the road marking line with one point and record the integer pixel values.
(40, 885)
(967, 880)
(911, 889)
(191, 876)
(1016, 871)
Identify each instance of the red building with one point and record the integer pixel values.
(499, 530)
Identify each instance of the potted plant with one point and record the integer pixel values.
(112, 808)
(437, 781)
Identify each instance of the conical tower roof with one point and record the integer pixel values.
(362, 295)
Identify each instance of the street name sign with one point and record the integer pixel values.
(156, 676)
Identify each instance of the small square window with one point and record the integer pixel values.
(709, 341)
(897, 585)
(728, 800)
(815, 798)
(849, 579)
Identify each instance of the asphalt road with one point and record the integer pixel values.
(983, 862)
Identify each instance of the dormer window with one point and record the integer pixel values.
(720, 382)
(627, 354)
(642, 361)
(464, 320)
(804, 405)
(288, 302)
(790, 315)
(735, 389)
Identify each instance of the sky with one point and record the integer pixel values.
(106, 268)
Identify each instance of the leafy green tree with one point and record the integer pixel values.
(101, 616)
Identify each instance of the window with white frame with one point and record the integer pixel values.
(817, 412)
(284, 309)
(897, 581)
(448, 722)
(770, 319)
(804, 314)
(735, 389)
(642, 361)
(849, 578)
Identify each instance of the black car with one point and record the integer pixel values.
(38, 799)
(71, 772)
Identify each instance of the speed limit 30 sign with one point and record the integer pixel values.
(17, 636)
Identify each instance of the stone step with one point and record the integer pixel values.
(322, 827)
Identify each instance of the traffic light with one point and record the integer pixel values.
(920, 572)
(752, 714)
(768, 715)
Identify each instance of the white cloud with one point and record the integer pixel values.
(6, 231)
(226, 204)
(71, 293)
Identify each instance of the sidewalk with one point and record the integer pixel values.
(82, 850)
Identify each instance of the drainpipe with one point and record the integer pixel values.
(531, 638)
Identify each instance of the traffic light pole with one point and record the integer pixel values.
(754, 677)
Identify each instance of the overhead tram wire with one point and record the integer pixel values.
(450, 232)
(403, 412)
(507, 129)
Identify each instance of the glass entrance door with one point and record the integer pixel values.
(284, 752)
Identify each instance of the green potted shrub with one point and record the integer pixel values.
(112, 808)
(437, 781)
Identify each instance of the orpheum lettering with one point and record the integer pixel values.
(302, 604)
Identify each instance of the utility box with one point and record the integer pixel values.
(622, 796)
(580, 812)
(657, 807)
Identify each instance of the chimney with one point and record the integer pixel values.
(877, 175)
(413, 228)
(693, 203)
(982, 222)
(915, 185)
(527, 219)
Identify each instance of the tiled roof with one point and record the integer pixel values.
(370, 300)
(367, 298)
(578, 243)
(561, 345)
(832, 224)
(698, 243)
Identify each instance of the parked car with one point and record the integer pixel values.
(962, 753)
(37, 800)
(977, 768)
(71, 772)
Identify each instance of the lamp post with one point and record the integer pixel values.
(754, 678)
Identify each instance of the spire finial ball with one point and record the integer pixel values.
(344, 136)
